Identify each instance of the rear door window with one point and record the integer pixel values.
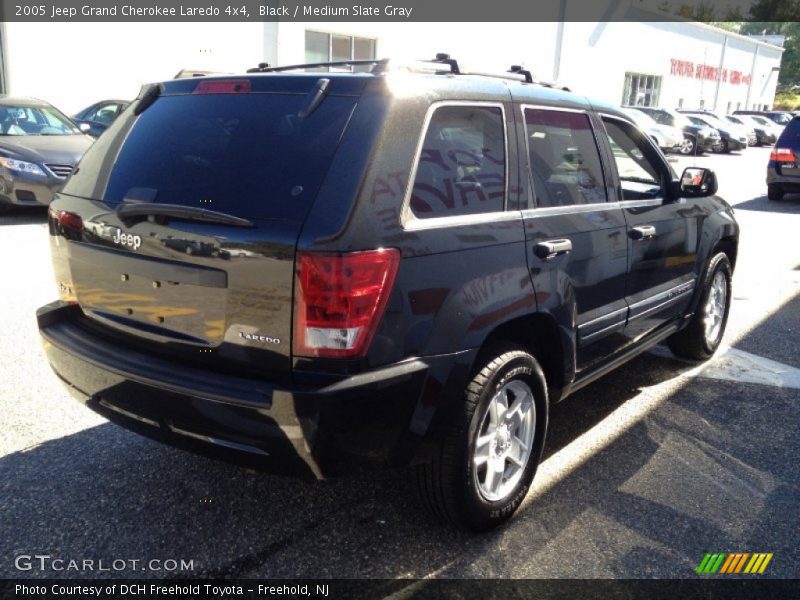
(462, 165)
(249, 155)
(790, 138)
(563, 158)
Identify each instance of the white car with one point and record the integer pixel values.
(668, 138)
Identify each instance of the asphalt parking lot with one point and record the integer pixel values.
(645, 471)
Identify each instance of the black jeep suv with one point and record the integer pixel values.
(388, 267)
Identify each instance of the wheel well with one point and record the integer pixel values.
(730, 247)
(539, 334)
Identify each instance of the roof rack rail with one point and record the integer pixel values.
(443, 58)
(382, 65)
(518, 70)
(378, 66)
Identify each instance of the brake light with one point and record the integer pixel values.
(70, 225)
(233, 86)
(782, 155)
(340, 299)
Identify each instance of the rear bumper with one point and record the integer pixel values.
(374, 417)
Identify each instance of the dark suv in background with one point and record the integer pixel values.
(781, 117)
(732, 137)
(398, 268)
(783, 169)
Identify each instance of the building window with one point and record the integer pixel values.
(738, 105)
(728, 110)
(333, 47)
(680, 102)
(641, 89)
(702, 103)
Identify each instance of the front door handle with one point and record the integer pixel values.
(552, 248)
(642, 232)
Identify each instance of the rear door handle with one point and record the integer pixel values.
(552, 248)
(642, 232)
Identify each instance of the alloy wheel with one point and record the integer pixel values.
(505, 440)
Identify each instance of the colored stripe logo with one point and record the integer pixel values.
(724, 563)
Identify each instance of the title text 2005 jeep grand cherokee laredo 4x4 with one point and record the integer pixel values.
(305, 270)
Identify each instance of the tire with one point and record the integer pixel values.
(456, 484)
(702, 336)
(726, 147)
(774, 192)
(687, 147)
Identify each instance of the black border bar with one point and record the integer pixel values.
(442, 11)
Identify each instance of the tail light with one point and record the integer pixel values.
(67, 224)
(782, 155)
(340, 299)
(228, 86)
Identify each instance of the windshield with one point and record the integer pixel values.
(712, 120)
(705, 121)
(761, 120)
(680, 120)
(248, 155)
(642, 119)
(35, 120)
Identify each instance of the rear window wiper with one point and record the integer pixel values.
(315, 97)
(150, 96)
(185, 213)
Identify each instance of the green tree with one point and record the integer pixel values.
(790, 63)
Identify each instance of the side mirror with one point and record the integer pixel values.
(84, 127)
(697, 182)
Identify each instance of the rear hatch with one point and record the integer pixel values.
(178, 230)
(785, 157)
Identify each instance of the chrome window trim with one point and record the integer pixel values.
(584, 111)
(408, 220)
(416, 224)
(569, 209)
(638, 203)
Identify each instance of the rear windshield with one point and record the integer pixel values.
(244, 154)
(790, 138)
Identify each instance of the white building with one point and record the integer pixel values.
(654, 63)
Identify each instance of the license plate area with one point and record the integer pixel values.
(151, 297)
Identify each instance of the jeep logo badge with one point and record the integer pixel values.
(127, 239)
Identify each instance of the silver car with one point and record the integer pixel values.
(39, 148)
(667, 137)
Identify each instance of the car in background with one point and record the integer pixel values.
(39, 148)
(730, 139)
(696, 138)
(783, 169)
(96, 118)
(666, 137)
(738, 137)
(766, 132)
(781, 117)
(771, 125)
